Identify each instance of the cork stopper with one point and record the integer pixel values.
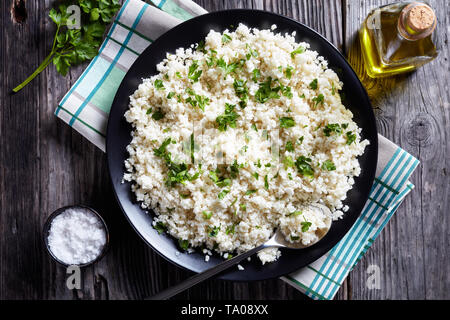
(417, 21)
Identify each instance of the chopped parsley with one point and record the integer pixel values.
(251, 53)
(192, 147)
(149, 111)
(241, 91)
(332, 128)
(201, 46)
(234, 169)
(351, 137)
(228, 119)
(243, 207)
(294, 213)
(304, 167)
(317, 100)
(256, 75)
(177, 172)
(288, 72)
(256, 175)
(184, 244)
(289, 146)
(305, 225)
(178, 74)
(287, 122)
(294, 238)
(254, 127)
(288, 162)
(328, 165)
(170, 95)
(313, 84)
(159, 84)
(214, 231)
(230, 67)
(160, 227)
(297, 51)
(207, 215)
(266, 92)
(266, 182)
(230, 229)
(286, 91)
(226, 38)
(223, 193)
(300, 140)
(193, 73)
(158, 115)
(249, 192)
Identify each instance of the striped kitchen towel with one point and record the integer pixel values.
(86, 107)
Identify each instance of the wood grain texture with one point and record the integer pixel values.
(44, 165)
(413, 111)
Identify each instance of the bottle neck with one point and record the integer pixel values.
(416, 21)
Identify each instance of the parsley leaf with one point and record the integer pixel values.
(249, 192)
(288, 72)
(287, 122)
(305, 225)
(304, 167)
(193, 73)
(266, 182)
(289, 146)
(313, 84)
(294, 213)
(256, 75)
(228, 119)
(351, 137)
(159, 84)
(226, 38)
(214, 231)
(332, 128)
(266, 92)
(207, 215)
(328, 165)
(317, 100)
(184, 244)
(160, 227)
(223, 193)
(297, 51)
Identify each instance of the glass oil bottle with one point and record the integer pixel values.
(398, 38)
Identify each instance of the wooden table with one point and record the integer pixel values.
(44, 165)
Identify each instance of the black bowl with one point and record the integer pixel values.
(192, 31)
(48, 223)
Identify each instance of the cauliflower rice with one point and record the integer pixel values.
(235, 136)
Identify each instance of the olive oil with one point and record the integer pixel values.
(398, 38)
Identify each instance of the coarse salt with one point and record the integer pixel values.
(76, 236)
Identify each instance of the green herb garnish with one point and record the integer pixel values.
(256, 75)
(214, 231)
(317, 100)
(332, 128)
(184, 244)
(193, 73)
(297, 51)
(223, 193)
(228, 119)
(73, 46)
(304, 167)
(351, 137)
(287, 122)
(171, 95)
(305, 225)
(226, 38)
(266, 92)
(159, 84)
(160, 227)
(328, 165)
(313, 84)
(289, 146)
(158, 115)
(294, 213)
(207, 215)
(288, 72)
(249, 192)
(266, 182)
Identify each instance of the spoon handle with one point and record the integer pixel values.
(192, 281)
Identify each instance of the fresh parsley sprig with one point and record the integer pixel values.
(73, 46)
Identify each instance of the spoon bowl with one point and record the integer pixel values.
(278, 240)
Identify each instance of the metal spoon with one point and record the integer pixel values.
(276, 241)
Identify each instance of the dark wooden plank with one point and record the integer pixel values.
(44, 165)
(413, 111)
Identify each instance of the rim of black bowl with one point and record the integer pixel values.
(57, 212)
(179, 27)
